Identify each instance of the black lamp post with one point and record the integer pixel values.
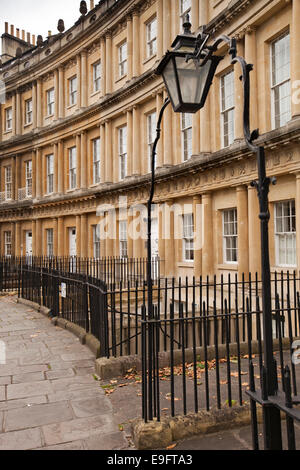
(188, 71)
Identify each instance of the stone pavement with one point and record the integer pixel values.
(49, 398)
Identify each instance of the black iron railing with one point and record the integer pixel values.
(202, 347)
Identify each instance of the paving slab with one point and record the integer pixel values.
(21, 440)
(49, 398)
(38, 415)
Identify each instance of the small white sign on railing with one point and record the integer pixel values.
(63, 290)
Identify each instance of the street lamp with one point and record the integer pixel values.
(188, 71)
(188, 75)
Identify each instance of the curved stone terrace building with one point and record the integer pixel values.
(78, 122)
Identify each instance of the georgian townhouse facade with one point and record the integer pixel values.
(79, 118)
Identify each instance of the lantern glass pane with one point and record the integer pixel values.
(169, 76)
(192, 79)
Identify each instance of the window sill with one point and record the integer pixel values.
(148, 59)
(95, 93)
(49, 116)
(283, 269)
(28, 125)
(70, 106)
(185, 264)
(7, 132)
(228, 266)
(121, 78)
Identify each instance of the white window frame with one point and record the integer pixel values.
(231, 237)
(123, 239)
(227, 110)
(122, 138)
(50, 102)
(8, 119)
(151, 136)
(50, 241)
(50, 173)
(73, 90)
(97, 74)
(28, 112)
(96, 161)
(122, 59)
(8, 182)
(186, 136)
(277, 86)
(72, 167)
(7, 243)
(28, 178)
(183, 11)
(282, 234)
(151, 37)
(96, 243)
(188, 238)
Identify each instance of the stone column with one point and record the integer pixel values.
(84, 79)
(136, 143)
(18, 113)
(159, 148)
(14, 114)
(168, 147)
(108, 44)
(55, 178)
(84, 235)
(102, 152)
(295, 58)
(83, 159)
(160, 20)
(130, 154)
(55, 236)
(17, 176)
(297, 202)
(129, 234)
(108, 153)
(250, 56)
(78, 75)
(196, 134)
(161, 241)
(195, 15)
(136, 44)
(34, 104)
(78, 161)
(129, 47)
(18, 239)
(254, 232)
(103, 65)
(78, 235)
(60, 179)
(208, 248)
(61, 237)
(33, 159)
(203, 12)
(39, 238)
(168, 224)
(238, 97)
(166, 25)
(242, 221)
(61, 100)
(39, 176)
(34, 237)
(197, 238)
(56, 94)
(109, 245)
(39, 103)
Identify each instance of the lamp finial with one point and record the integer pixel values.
(187, 25)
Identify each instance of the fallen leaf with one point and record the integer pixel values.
(171, 446)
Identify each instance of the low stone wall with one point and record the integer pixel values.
(159, 435)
